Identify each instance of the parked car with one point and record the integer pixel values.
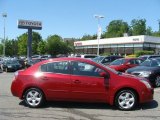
(32, 62)
(106, 59)
(77, 79)
(36, 57)
(144, 57)
(89, 56)
(149, 69)
(46, 57)
(123, 64)
(11, 65)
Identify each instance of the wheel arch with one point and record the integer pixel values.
(126, 88)
(24, 91)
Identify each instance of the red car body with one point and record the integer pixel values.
(71, 86)
(123, 64)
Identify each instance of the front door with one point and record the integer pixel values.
(87, 85)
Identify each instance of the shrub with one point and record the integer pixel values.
(143, 52)
(105, 54)
(131, 56)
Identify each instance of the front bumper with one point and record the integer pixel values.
(146, 95)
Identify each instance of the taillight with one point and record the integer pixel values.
(15, 75)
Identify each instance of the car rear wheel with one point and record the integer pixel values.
(126, 99)
(157, 81)
(34, 97)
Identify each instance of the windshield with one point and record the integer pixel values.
(98, 59)
(11, 62)
(108, 68)
(143, 57)
(146, 63)
(151, 63)
(118, 62)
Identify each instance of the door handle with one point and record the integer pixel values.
(44, 78)
(77, 81)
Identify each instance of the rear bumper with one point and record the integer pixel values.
(16, 89)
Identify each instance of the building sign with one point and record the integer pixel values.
(78, 44)
(26, 24)
(136, 39)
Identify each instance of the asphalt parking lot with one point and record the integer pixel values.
(11, 108)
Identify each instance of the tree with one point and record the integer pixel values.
(41, 49)
(149, 31)
(88, 37)
(156, 34)
(116, 28)
(56, 46)
(1, 49)
(11, 47)
(36, 38)
(138, 27)
(22, 43)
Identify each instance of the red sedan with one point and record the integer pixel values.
(123, 64)
(78, 79)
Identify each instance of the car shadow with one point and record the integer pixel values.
(79, 105)
(150, 105)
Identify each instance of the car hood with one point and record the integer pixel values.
(13, 64)
(130, 76)
(141, 68)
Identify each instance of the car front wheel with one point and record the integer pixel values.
(34, 97)
(126, 99)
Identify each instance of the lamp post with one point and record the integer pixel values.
(4, 15)
(99, 31)
(159, 24)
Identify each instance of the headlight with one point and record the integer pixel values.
(146, 83)
(144, 73)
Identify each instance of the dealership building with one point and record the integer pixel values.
(119, 46)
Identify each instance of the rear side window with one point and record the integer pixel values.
(56, 67)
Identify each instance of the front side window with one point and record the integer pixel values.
(85, 69)
(56, 67)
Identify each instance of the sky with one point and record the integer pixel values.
(75, 18)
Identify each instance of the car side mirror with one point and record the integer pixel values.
(103, 74)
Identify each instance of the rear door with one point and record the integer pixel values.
(87, 85)
(56, 80)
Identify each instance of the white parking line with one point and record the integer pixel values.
(157, 89)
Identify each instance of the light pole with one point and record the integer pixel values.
(159, 24)
(4, 15)
(99, 31)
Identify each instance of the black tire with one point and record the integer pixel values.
(34, 98)
(157, 81)
(126, 99)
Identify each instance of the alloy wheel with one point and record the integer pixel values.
(126, 100)
(34, 97)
